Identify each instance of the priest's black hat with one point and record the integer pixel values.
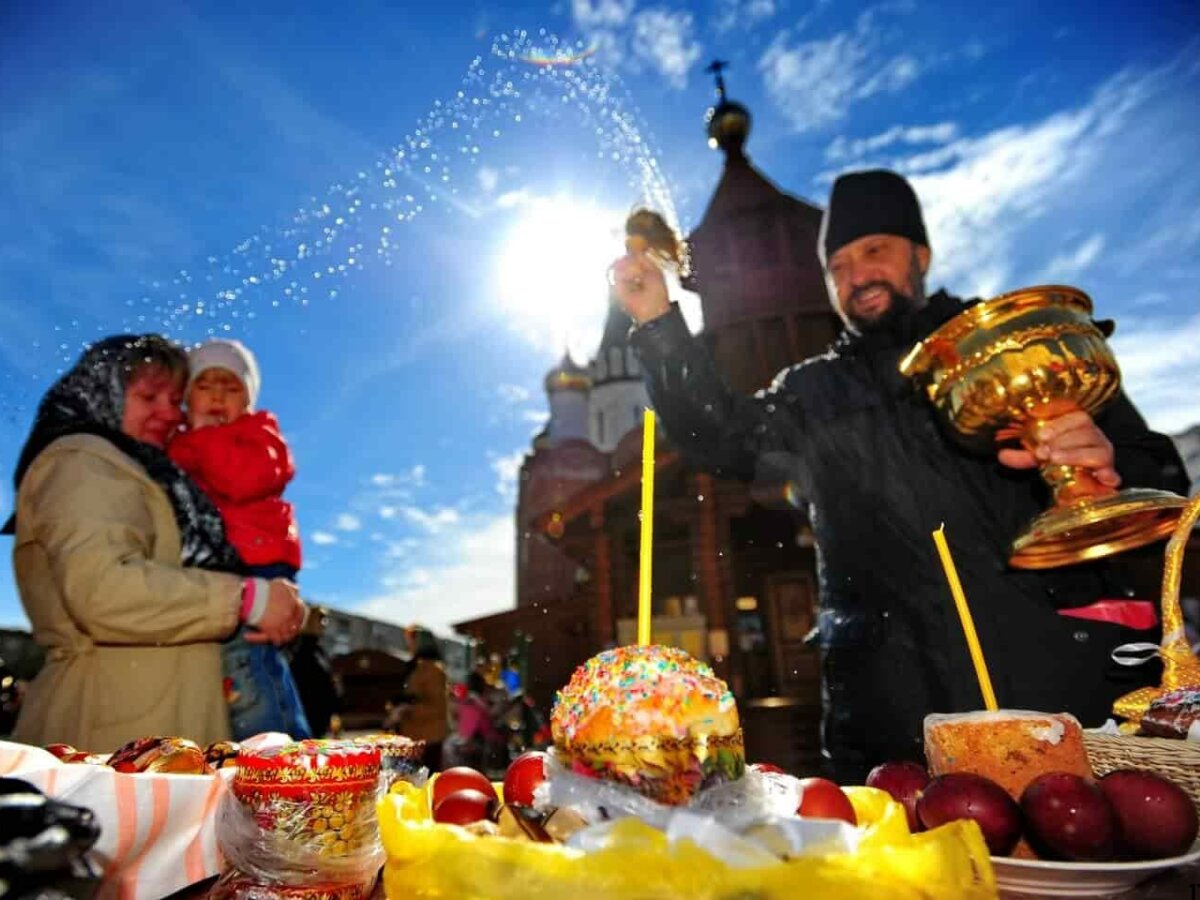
(871, 202)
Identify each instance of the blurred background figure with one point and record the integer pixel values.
(476, 741)
(421, 713)
(10, 698)
(511, 674)
(320, 693)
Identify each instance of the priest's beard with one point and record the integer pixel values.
(889, 320)
(895, 320)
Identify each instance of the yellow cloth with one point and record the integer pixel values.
(431, 861)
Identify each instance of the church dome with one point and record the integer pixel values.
(567, 376)
(728, 127)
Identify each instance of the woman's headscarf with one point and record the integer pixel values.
(90, 399)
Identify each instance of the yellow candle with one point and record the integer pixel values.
(964, 613)
(647, 550)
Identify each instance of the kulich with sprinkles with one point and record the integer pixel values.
(654, 718)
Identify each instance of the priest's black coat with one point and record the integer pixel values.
(880, 475)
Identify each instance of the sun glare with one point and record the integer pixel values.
(553, 267)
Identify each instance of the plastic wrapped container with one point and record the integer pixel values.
(399, 757)
(300, 821)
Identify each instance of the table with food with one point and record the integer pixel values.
(645, 793)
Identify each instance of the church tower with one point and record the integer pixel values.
(567, 388)
(562, 462)
(618, 395)
(755, 263)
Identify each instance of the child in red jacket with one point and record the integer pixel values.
(238, 457)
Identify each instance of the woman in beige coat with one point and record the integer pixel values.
(122, 563)
(425, 715)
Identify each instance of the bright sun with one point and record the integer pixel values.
(552, 267)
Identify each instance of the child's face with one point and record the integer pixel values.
(216, 397)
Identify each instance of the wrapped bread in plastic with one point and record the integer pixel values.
(653, 718)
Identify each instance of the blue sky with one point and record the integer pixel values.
(408, 219)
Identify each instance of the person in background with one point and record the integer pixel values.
(423, 713)
(122, 564)
(313, 674)
(240, 460)
(476, 740)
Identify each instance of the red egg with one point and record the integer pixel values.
(463, 807)
(961, 795)
(766, 767)
(461, 778)
(904, 782)
(1068, 817)
(822, 799)
(524, 775)
(1155, 818)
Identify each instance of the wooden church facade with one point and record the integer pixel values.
(734, 564)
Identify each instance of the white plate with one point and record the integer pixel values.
(1080, 879)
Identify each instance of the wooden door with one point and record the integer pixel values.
(791, 607)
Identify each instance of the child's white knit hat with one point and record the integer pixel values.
(221, 354)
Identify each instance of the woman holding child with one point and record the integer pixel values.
(122, 563)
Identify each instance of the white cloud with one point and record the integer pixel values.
(536, 416)
(814, 83)
(323, 538)
(512, 393)
(464, 574)
(401, 549)
(433, 522)
(1068, 265)
(513, 199)
(589, 14)
(841, 148)
(896, 75)
(1153, 355)
(387, 512)
(488, 179)
(979, 193)
(659, 39)
(664, 41)
(743, 13)
(398, 484)
(507, 469)
(348, 522)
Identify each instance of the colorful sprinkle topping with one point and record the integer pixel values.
(642, 689)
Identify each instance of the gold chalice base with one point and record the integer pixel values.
(1094, 527)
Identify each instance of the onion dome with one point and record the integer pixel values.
(567, 376)
(728, 127)
(728, 122)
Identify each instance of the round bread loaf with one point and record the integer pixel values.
(653, 718)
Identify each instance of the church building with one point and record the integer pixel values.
(734, 563)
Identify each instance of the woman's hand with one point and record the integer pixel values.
(284, 616)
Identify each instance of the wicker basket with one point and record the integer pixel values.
(1174, 759)
(1177, 760)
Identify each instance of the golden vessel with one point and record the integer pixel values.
(1001, 368)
